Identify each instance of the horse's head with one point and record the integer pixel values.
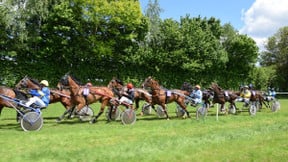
(64, 82)
(187, 87)
(214, 87)
(115, 83)
(28, 82)
(68, 81)
(151, 83)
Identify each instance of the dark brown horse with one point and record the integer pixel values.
(222, 96)
(160, 97)
(101, 94)
(56, 95)
(118, 87)
(257, 97)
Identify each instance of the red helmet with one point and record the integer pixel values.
(129, 85)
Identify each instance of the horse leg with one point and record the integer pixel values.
(165, 110)
(137, 104)
(110, 112)
(1, 108)
(184, 108)
(68, 110)
(103, 105)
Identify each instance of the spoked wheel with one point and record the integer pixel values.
(86, 113)
(252, 109)
(160, 112)
(232, 109)
(179, 111)
(147, 110)
(201, 111)
(32, 121)
(115, 114)
(275, 106)
(128, 117)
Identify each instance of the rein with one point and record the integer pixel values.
(61, 94)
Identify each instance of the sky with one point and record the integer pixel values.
(259, 19)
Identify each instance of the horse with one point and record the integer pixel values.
(118, 87)
(160, 97)
(56, 95)
(222, 96)
(256, 97)
(97, 93)
(14, 94)
(28, 82)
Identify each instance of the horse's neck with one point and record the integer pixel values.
(217, 91)
(74, 87)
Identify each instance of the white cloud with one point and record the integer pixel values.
(264, 18)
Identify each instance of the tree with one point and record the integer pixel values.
(276, 55)
(242, 55)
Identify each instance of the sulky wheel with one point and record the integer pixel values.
(252, 110)
(160, 112)
(275, 106)
(86, 113)
(115, 113)
(32, 121)
(232, 109)
(179, 111)
(128, 117)
(201, 111)
(146, 108)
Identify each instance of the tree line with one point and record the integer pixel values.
(100, 39)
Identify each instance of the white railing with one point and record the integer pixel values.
(285, 93)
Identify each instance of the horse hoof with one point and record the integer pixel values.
(58, 120)
(93, 121)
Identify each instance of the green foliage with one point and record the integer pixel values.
(100, 39)
(276, 54)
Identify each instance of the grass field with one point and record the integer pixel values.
(238, 137)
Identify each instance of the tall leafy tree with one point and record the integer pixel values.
(276, 55)
(242, 56)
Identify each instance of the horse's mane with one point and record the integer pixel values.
(64, 79)
(216, 88)
(34, 81)
(77, 81)
(187, 87)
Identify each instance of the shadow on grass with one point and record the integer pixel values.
(10, 126)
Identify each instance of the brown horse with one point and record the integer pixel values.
(160, 97)
(256, 98)
(102, 94)
(13, 94)
(222, 96)
(28, 82)
(117, 87)
(56, 95)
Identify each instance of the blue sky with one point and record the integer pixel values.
(228, 11)
(259, 19)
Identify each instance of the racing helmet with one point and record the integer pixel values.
(197, 86)
(129, 85)
(44, 82)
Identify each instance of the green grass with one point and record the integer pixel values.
(232, 138)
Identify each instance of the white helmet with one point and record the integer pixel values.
(44, 82)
